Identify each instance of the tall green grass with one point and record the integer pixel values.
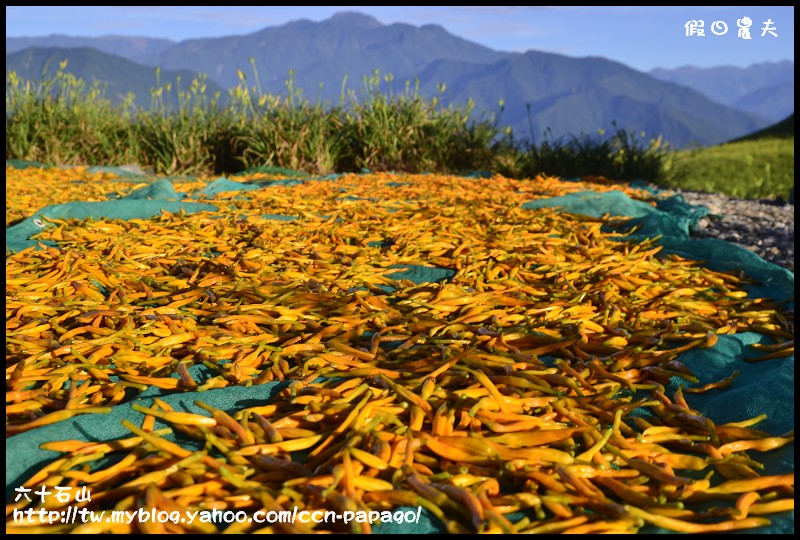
(59, 121)
(181, 141)
(621, 156)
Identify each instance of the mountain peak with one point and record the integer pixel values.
(354, 18)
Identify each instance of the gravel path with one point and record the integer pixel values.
(764, 227)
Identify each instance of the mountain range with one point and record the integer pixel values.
(765, 89)
(543, 92)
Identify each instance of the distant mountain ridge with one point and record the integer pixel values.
(566, 96)
(137, 49)
(607, 91)
(765, 89)
(348, 43)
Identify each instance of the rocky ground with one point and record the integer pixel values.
(765, 227)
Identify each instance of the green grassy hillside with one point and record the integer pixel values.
(757, 168)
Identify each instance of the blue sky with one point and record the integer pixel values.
(641, 37)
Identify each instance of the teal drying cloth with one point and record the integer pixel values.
(221, 185)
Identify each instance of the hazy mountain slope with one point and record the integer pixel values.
(137, 49)
(346, 44)
(744, 88)
(574, 95)
(771, 102)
